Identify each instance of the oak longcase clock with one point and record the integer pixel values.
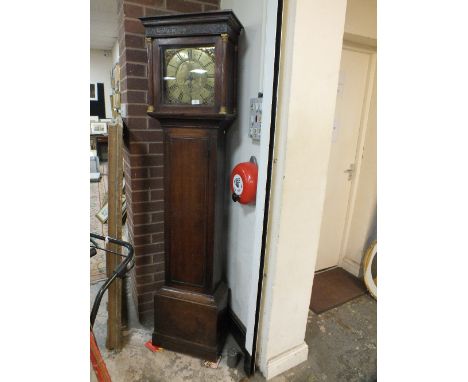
(192, 61)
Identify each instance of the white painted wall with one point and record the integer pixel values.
(100, 71)
(361, 18)
(245, 222)
(310, 61)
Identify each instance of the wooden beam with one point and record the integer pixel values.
(115, 172)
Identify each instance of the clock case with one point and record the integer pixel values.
(191, 307)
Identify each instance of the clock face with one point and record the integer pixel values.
(189, 76)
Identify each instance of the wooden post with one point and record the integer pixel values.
(115, 171)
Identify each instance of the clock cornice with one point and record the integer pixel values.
(193, 24)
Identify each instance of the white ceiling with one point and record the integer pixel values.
(104, 24)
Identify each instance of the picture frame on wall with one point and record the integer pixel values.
(94, 118)
(98, 128)
(93, 95)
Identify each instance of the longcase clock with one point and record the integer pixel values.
(192, 61)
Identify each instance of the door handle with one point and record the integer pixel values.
(350, 171)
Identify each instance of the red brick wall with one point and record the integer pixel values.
(143, 154)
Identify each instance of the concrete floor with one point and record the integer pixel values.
(342, 347)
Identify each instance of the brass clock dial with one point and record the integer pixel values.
(189, 76)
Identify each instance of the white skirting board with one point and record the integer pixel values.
(286, 360)
(351, 266)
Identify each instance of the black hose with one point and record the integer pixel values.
(120, 271)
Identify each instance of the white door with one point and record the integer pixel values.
(353, 89)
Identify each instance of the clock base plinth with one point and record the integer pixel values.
(190, 322)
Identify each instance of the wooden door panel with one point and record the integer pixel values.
(188, 169)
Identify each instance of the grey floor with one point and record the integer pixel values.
(342, 347)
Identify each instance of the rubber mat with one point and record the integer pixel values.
(333, 288)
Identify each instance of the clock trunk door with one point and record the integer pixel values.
(188, 179)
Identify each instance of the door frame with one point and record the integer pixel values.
(371, 50)
(279, 26)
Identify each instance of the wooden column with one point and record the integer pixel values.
(115, 171)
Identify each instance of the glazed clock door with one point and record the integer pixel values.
(189, 76)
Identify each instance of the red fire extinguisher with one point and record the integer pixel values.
(244, 181)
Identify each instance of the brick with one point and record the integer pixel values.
(154, 124)
(138, 123)
(157, 237)
(138, 148)
(150, 248)
(160, 277)
(183, 6)
(140, 196)
(156, 148)
(132, 10)
(133, 83)
(147, 228)
(134, 96)
(142, 240)
(138, 173)
(134, 41)
(136, 109)
(146, 160)
(157, 172)
(157, 195)
(134, 55)
(143, 260)
(155, 12)
(144, 279)
(146, 184)
(145, 135)
(146, 297)
(146, 207)
(141, 219)
(133, 26)
(153, 268)
(152, 3)
(152, 287)
(135, 70)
